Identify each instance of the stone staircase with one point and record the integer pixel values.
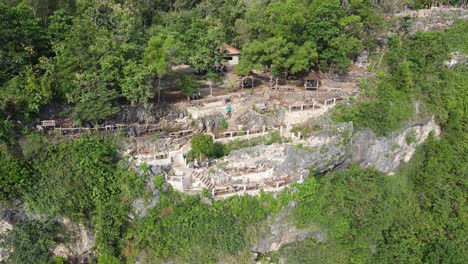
(203, 178)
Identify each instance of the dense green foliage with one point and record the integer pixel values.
(320, 32)
(186, 228)
(419, 214)
(31, 241)
(95, 55)
(78, 179)
(204, 146)
(416, 216)
(413, 69)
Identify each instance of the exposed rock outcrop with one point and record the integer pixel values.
(282, 232)
(431, 19)
(387, 153)
(149, 115)
(322, 152)
(458, 58)
(80, 247)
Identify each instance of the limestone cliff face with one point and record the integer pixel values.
(323, 151)
(336, 147)
(387, 153)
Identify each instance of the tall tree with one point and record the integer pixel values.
(202, 46)
(159, 55)
(212, 78)
(22, 40)
(137, 84)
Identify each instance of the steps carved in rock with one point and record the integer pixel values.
(204, 179)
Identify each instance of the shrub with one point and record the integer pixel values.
(223, 124)
(203, 145)
(159, 181)
(410, 137)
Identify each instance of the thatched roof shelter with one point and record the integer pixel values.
(313, 76)
(312, 81)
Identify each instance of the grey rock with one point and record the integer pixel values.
(387, 153)
(457, 58)
(166, 187)
(283, 232)
(132, 132)
(158, 170)
(201, 125)
(140, 130)
(281, 116)
(319, 235)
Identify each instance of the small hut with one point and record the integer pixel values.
(232, 54)
(312, 81)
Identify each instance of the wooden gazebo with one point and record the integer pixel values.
(312, 81)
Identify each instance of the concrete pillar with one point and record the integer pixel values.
(301, 180)
(213, 192)
(231, 134)
(245, 188)
(213, 136)
(264, 129)
(334, 100)
(281, 130)
(248, 132)
(277, 185)
(299, 135)
(289, 108)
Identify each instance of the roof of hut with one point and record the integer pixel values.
(230, 49)
(312, 76)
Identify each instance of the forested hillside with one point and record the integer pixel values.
(90, 59)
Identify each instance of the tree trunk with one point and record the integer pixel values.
(159, 89)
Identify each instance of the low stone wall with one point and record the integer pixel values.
(302, 96)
